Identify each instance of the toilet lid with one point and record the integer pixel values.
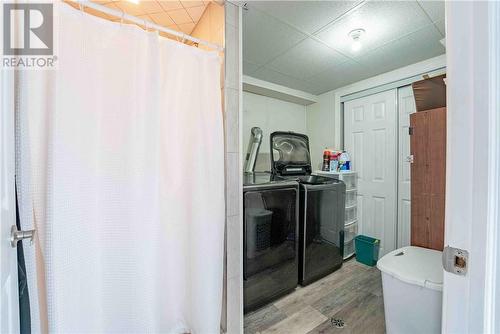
(414, 265)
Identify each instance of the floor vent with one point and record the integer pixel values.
(337, 323)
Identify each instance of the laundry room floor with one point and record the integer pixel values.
(347, 301)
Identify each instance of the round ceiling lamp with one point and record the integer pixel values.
(356, 35)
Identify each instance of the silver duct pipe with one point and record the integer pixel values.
(253, 149)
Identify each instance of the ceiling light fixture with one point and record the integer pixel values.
(134, 1)
(356, 39)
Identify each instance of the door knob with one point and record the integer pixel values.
(16, 235)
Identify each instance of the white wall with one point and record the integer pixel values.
(270, 115)
(321, 127)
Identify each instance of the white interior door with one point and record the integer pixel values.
(406, 106)
(370, 125)
(9, 300)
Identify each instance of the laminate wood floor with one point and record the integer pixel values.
(352, 295)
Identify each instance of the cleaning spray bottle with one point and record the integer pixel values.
(326, 161)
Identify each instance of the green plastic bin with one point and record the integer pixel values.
(366, 249)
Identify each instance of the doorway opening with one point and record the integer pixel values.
(334, 73)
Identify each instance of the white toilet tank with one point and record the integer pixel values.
(412, 281)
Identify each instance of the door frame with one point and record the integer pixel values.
(9, 307)
(492, 293)
(473, 190)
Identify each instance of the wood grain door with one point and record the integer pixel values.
(428, 175)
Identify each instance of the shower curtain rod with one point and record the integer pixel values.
(148, 24)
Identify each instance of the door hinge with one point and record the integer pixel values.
(409, 158)
(455, 260)
(410, 130)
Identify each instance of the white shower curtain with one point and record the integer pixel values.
(121, 171)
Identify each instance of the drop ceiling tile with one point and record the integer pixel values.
(270, 75)
(383, 21)
(420, 45)
(426, 42)
(249, 68)
(150, 6)
(170, 5)
(435, 9)
(186, 27)
(338, 76)
(264, 37)
(112, 5)
(162, 19)
(307, 16)
(188, 4)
(196, 12)
(129, 8)
(180, 16)
(306, 59)
(441, 26)
(389, 57)
(398, 34)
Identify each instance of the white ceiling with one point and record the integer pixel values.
(305, 45)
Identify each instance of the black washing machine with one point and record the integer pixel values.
(321, 207)
(270, 249)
